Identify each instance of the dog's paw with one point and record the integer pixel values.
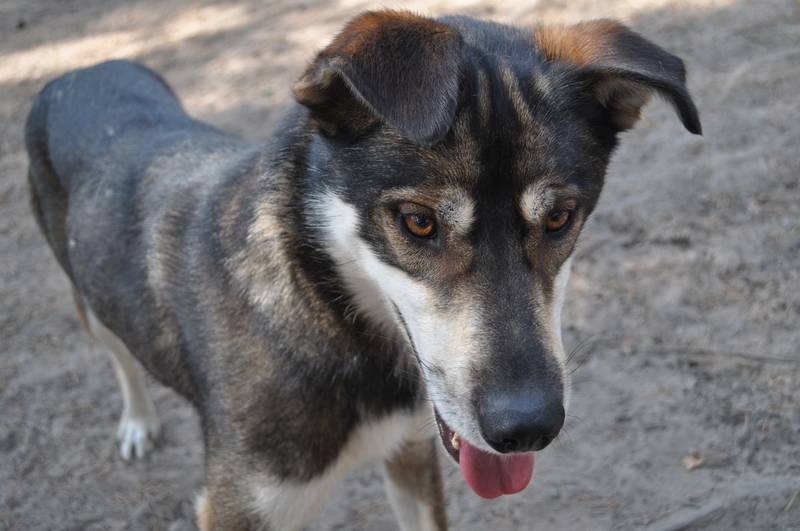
(137, 435)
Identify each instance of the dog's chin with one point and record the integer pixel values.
(488, 474)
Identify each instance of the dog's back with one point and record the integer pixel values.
(116, 111)
(112, 153)
(76, 122)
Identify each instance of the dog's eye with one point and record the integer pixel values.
(420, 225)
(558, 219)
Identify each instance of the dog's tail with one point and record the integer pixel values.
(48, 194)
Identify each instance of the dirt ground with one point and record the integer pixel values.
(685, 296)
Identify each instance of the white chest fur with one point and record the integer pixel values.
(289, 505)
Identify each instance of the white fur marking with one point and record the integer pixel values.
(138, 425)
(560, 293)
(535, 201)
(450, 340)
(459, 211)
(290, 505)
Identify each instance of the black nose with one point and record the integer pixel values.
(522, 421)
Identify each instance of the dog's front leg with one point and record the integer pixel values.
(217, 511)
(242, 495)
(414, 485)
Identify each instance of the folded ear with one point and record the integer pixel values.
(622, 69)
(392, 66)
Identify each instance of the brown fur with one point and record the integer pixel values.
(81, 309)
(223, 503)
(593, 43)
(579, 44)
(439, 200)
(365, 30)
(341, 87)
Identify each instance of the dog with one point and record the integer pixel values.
(393, 261)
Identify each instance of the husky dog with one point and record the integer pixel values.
(395, 258)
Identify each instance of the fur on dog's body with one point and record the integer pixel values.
(209, 196)
(269, 283)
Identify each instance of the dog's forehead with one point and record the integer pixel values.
(512, 138)
(506, 144)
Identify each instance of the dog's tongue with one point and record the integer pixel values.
(492, 475)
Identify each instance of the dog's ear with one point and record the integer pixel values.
(386, 65)
(621, 68)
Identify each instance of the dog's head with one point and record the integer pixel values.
(454, 163)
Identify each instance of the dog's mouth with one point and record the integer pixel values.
(489, 475)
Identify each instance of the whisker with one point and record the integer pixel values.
(583, 346)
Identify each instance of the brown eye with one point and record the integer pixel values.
(557, 220)
(420, 225)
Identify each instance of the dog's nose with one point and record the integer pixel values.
(520, 422)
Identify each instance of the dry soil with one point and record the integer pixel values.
(684, 300)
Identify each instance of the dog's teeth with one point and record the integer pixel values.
(455, 442)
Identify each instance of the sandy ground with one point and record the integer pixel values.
(685, 294)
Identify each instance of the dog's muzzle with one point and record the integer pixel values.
(513, 424)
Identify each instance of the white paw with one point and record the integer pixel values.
(136, 435)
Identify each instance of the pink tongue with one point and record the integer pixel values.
(492, 475)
